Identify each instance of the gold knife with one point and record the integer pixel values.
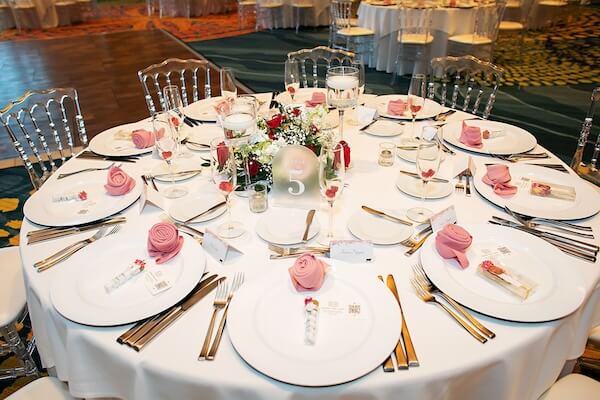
(309, 220)
(218, 205)
(388, 364)
(415, 175)
(175, 174)
(413, 361)
(386, 216)
(52, 233)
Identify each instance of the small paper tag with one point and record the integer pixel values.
(364, 115)
(152, 197)
(429, 132)
(495, 252)
(354, 251)
(443, 218)
(156, 282)
(332, 308)
(215, 246)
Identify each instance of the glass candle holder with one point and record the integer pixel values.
(386, 154)
(257, 197)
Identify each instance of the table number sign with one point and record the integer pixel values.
(296, 178)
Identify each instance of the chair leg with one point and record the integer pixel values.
(297, 19)
(12, 339)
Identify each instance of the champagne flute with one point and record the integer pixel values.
(225, 178)
(429, 155)
(342, 90)
(331, 179)
(167, 144)
(416, 97)
(227, 80)
(292, 77)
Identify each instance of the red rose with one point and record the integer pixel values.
(331, 192)
(346, 148)
(272, 135)
(222, 154)
(296, 111)
(253, 167)
(226, 187)
(275, 122)
(174, 122)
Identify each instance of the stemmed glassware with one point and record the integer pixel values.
(224, 173)
(360, 66)
(292, 77)
(429, 155)
(342, 90)
(416, 97)
(332, 171)
(227, 80)
(174, 107)
(167, 146)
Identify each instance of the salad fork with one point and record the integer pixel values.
(219, 303)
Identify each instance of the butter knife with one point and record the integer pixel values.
(216, 206)
(309, 220)
(413, 361)
(415, 175)
(386, 216)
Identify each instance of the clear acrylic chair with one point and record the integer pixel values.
(301, 6)
(323, 57)
(25, 14)
(414, 37)
(588, 171)
(245, 8)
(471, 80)
(44, 126)
(13, 310)
(344, 35)
(189, 75)
(269, 14)
(7, 21)
(480, 41)
(515, 22)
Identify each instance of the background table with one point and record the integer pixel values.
(316, 16)
(520, 363)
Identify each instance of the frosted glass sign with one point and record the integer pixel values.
(296, 178)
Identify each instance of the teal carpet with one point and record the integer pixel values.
(552, 113)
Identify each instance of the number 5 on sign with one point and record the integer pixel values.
(296, 178)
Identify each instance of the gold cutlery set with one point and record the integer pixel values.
(44, 234)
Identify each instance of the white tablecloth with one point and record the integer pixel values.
(519, 364)
(384, 22)
(318, 15)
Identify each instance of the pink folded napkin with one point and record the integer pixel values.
(499, 177)
(164, 242)
(118, 182)
(307, 273)
(471, 136)
(317, 99)
(452, 241)
(143, 139)
(396, 107)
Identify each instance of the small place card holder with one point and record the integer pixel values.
(152, 197)
(217, 247)
(296, 178)
(443, 218)
(352, 251)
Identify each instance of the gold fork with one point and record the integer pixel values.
(418, 244)
(219, 303)
(413, 240)
(427, 297)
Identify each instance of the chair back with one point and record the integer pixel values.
(341, 13)
(472, 80)
(414, 22)
(586, 128)
(188, 75)
(322, 56)
(487, 20)
(518, 11)
(41, 126)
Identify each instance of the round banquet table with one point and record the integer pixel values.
(519, 364)
(318, 15)
(383, 20)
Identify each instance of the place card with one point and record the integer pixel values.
(151, 197)
(156, 282)
(217, 247)
(443, 218)
(364, 115)
(353, 251)
(342, 309)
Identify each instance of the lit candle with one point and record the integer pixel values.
(238, 122)
(342, 82)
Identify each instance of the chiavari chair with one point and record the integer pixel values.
(311, 59)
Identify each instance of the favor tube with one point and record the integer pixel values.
(552, 190)
(311, 320)
(506, 278)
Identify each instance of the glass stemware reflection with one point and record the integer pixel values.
(224, 172)
(342, 91)
(360, 66)
(227, 81)
(292, 77)
(331, 179)
(416, 97)
(167, 146)
(429, 155)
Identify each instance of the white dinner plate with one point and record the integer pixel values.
(41, 209)
(182, 164)
(203, 110)
(366, 226)
(77, 290)
(194, 203)
(202, 135)
(559, 290)
(385, 129)
(114, 141)
(587, 199)
(513, 140)
(301, 96)
(285, 226)
(266, 326)
(430, 108)
(414, 187)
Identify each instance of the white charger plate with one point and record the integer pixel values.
(41, 210)
(410, 155)
(378, 230)
(77, 290)
(301, 96)
(414, 187)
(266, 326)
(515, 140)
(385, 129)
(194, 203)
(106, 144)
(559, 291)
(285, 226)
(430, 108)
(587, 199)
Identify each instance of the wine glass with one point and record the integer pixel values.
(228, 86)
(429, 155)
(416, 96)
(224, 174)
(292, 77)
(342, 90)
(331, 178)
(167, 146)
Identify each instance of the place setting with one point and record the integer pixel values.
(126, 140)
(380, 226)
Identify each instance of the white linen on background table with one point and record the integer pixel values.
(520, 363)
(316, 16)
